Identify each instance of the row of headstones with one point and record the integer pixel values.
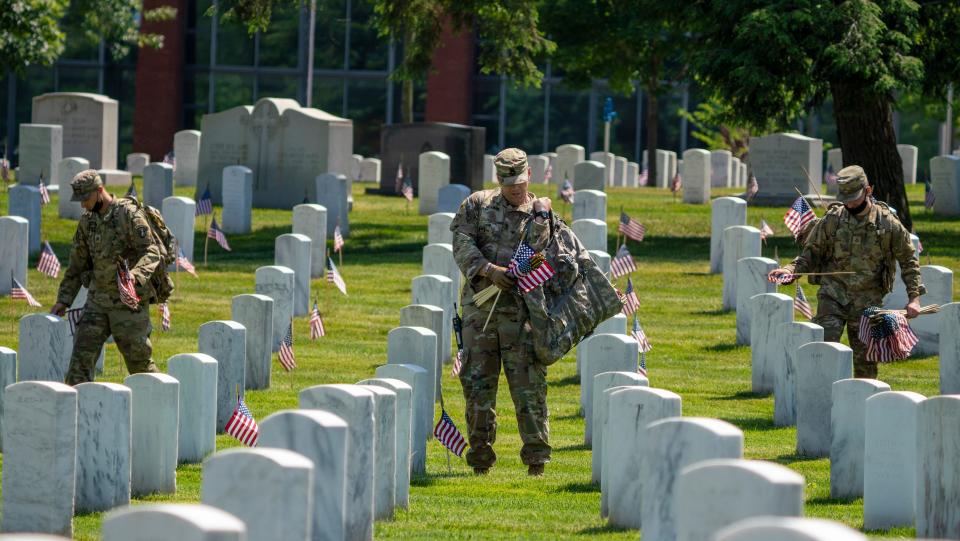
(735, 250)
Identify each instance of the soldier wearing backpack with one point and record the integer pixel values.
(114, 234)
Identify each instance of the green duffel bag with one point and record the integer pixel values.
(570, 305)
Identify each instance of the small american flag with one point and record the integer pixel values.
(333, 276)
(337, 239)
(48, 264)
(752, 187)
(566, 192)
(398, 183)
(643, 344)
(548, 174)
(132, 190)
(74, 315)
(44, 193)
(630, 300)
(785, 278)
(165, 316)
(529, 274)
(622, 263)
(643, 178)
(887, 338)
(765, 230)
(17, 291)
(801, 304)
(830, 177)
(407, 190)
(285, 355)
(316, 323)
(798, 216)
(446, 432)
(677, 183)
(185, 264)
(242, 425)
(127, 287)
(928, 198)
(457, 364)
(205, 204)
(218, 235)
(631, 228)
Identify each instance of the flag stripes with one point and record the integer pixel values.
(17, 291)
(165, 316)
(218, 235)
(316, 323)
(127, 287)
(242, 425)
(48, 264)
(630, 300)
(333, 276)
(798, 216)
(205, 204)
(337, 239)
(448, 435)
(622, 263)
(285, 355)
(631, 228)
(185, 264)
(801, 304)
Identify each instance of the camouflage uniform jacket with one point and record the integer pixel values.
(871, 247)
(122, 232)
(488, 229)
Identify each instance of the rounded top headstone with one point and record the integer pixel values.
(788, 529)
(127, 522)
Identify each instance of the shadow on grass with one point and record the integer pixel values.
(793, 458)
(717, 312)
(600, 530)
(743, 395)
(579, 487)
(578, 447)
(569, 380)
(752, 423)
(431, 479)
(831, 501)
(722, 347)
(571, 417)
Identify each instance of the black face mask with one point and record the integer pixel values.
(859, 208)
(98, 205)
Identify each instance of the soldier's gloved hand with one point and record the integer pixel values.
(59, 309)
(498, 275)
(913, 308)
(781, 276)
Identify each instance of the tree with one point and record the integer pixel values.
(510, 41)
(32, 36)
(772, 60)
(638, 44)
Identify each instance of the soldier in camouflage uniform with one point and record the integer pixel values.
(487, 230)
(111, 228)
(861, 235)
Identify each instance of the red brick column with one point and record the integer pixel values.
(450, 82)
(158, 109)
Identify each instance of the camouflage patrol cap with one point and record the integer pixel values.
(850, 183)
(85, 183)
(511, 166)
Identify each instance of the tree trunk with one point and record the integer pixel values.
(652, 125)
(406, 97)
(867, 137)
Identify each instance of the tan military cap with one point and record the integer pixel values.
(851, 182)
(511, 166)
(85, 183)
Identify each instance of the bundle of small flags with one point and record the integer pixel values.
(928, 198)
(337, 240)
(448, 434)
(631, 228)
(333, 276)
(801, 304)
(127, 286)
(622, 263)
(285, 355)
(44, 193)
(205, 204)
(217, 234)
(566, 192)
(798, 216)
(48, 264)
(185, 264)
(530, 268)
(316, 323)
(765, 230)
(642, 342)
(74, 315)
(783, 279)
(630, 300)
(886, 334)
(676, 184)
(17, 291)
(242, 425)
(165, 316)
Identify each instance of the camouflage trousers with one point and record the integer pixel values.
(833, 317)
(507, 341)
(130, 330)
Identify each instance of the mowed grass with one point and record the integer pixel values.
(694, 355)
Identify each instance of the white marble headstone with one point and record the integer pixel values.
(156, 410)
(385, 451)
(179, 214)
(225, 341)
(619, 171)
(589, 175)
(277, 283)
(14, 238)
(197, 435)
(603, 386)
(430, 317)
(721, 169)
(416, 378)
(450, 197)
(739, 241)
(66, 170)
(157, 184)
(24, 201)
(104, 446)
(724, 212)
(255, 313)
(186, 148)
(40, 151)
(950, 348)
(438, 228)
(908, 155)
(847, 429)
(939, 283)
(751, 280)
(604, 353)
(404, 393)
(788, 529)
(370, 170)
(89, 123)
(819, 364)
(8, 376)
(945, 182)
(434, 169)
(184, 522)
(793, 335)
(590, 204)
(237, 198)
(311, 220)
(568, 156)
(323, 438)
(608, 160)
(938, 485)
(770, 311)
(592, 233)
(602, 259)
(136, 162)
(538, 168)
(436, 290)
(332, 191)
(294, 251)
(697, 176)
(416, 346)
(45, 348)
(438, 259)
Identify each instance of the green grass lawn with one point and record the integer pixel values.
(694, 355)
